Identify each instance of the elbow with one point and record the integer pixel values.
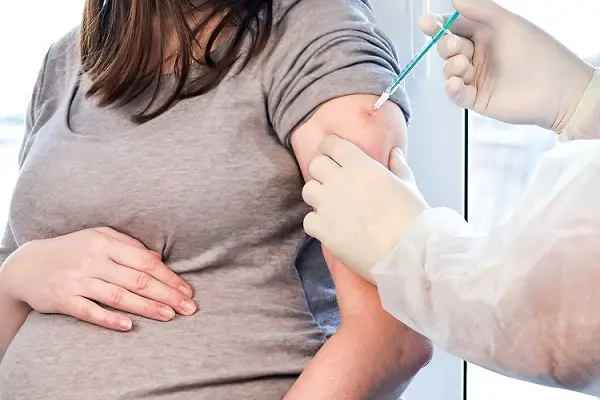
(574, 368)
(412, 355)
(417, 354)
(402, 351)
(566, 361)
(574, 357)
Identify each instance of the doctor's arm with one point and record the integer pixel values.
(521, 300)
(372, 354)
(527, 291)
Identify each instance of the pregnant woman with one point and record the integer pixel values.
(155, 221)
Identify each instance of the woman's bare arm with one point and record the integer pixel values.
(372, 355)
(12, 316)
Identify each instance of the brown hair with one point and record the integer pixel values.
(123, 48)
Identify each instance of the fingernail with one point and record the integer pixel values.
(399, 152)
(166, 312)
(453, 43)
(459, 97)
(125, 324)
(186, 290)
(188, 307)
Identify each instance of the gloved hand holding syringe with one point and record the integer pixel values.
(415, 60)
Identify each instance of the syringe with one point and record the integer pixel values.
(416, 59)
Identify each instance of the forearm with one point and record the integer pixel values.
(585, 123)
(12, 317)
(372, 356)
(363, 362)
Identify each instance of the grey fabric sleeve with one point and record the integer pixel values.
(32, 112)
(8, 244)
(324, 50)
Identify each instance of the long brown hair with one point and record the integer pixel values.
(121, 55)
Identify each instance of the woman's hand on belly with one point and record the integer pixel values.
(73, 274)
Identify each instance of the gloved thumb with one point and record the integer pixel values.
(483, 11)
(399, 167)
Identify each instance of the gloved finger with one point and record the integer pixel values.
(461, 67)
(312, 194)
(321, 168)
(461, 94)
(399, 166)
(461, 27)
(451, 45)
(341, 151)
(313, 226)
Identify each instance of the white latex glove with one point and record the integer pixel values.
(359, 205)
(504, 67)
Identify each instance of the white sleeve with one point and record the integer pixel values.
(522, 300)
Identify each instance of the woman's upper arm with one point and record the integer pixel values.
(323, 54)
(327, 63)
(32, 112)
(8, 243)
(348, 117)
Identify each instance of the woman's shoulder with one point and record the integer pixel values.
(57, 74)
(310, 12)
(62, 60)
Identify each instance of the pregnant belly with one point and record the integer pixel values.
(218, 353)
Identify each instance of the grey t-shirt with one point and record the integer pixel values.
(213, 186)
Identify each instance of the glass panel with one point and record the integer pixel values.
(27, 29)
(501, 159)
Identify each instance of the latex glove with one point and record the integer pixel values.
(504, 67)
(359, 205)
